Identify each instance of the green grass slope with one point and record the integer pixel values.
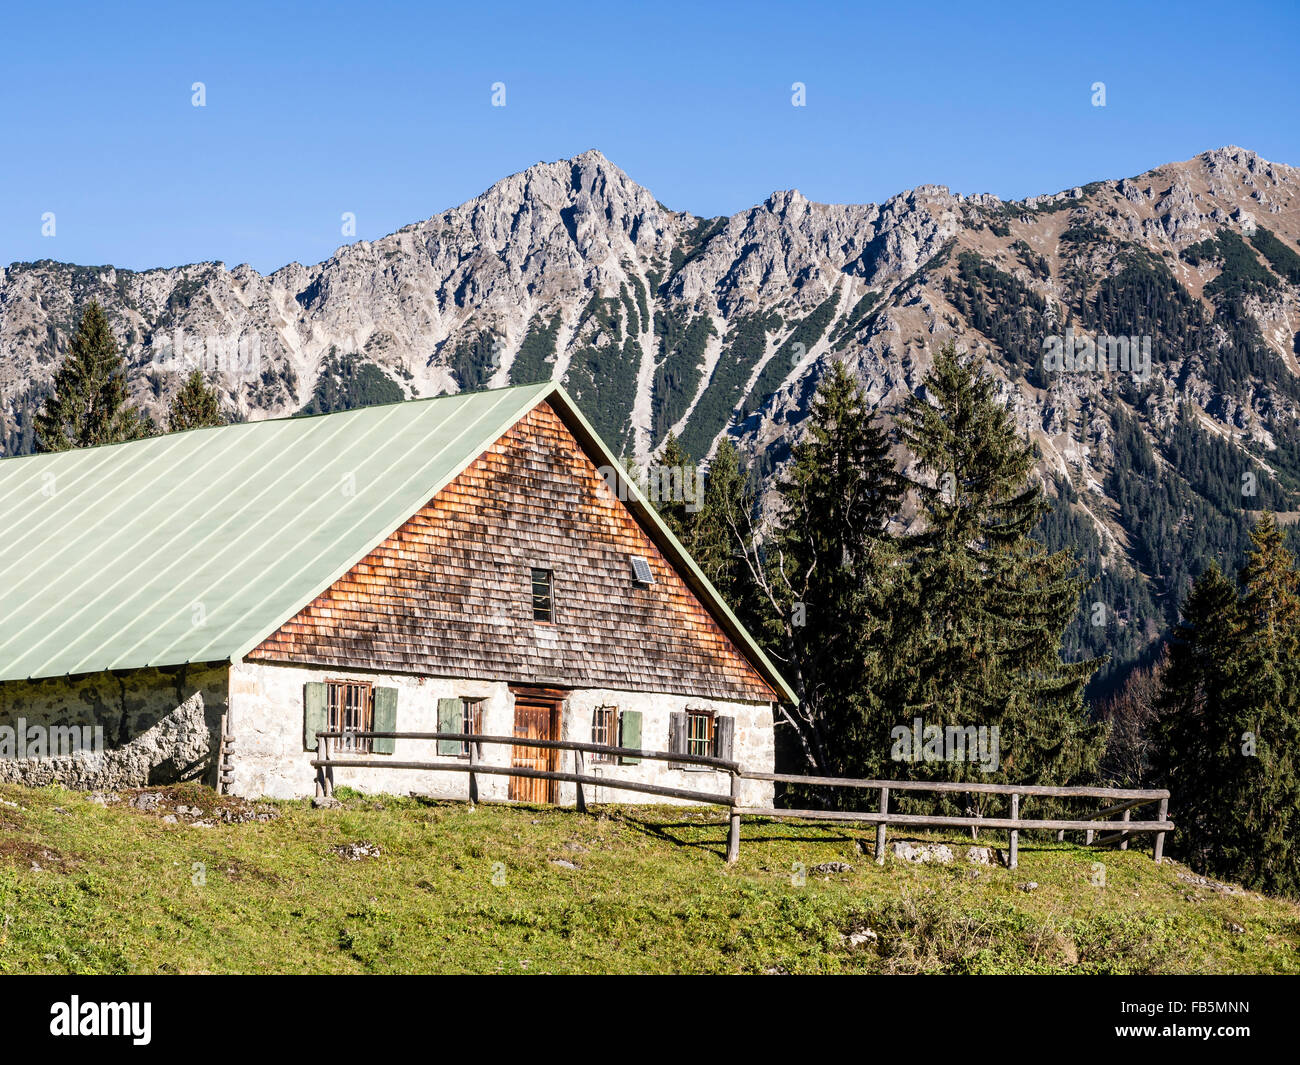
(403, 885)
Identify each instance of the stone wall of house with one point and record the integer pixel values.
(160, 726)
(267, 720)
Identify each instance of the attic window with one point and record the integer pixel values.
(641, 571)
(543, 596)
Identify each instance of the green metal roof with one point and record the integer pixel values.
(196, 546)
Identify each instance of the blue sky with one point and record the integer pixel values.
(384, 110)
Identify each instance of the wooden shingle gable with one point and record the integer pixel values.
(450, 594)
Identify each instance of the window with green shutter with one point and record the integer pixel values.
(315, 713)
(351, 707)
(629, 734)
(464, 715)
(691, 732)
(385, 719)
(449, 720)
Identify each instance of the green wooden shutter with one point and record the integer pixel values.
(724, 732)
(315, 713)
(450, 719)
(676, 736)
(385, 719)
(629, 734)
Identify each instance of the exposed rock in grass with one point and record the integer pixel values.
(920, 853)
(1211, 885)
(357, 851)
(190, 805)
(857, 937)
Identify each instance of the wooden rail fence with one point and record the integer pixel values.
(1123, 800)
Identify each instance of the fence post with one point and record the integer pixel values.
(473, 777)
(880, 827)
(1159, 853)
(320, 769)
(1123, 844)
(733, 830)
(328, 770)
(581, 799)
(1015, 833)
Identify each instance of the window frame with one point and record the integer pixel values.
(471, 719)
(336, 713)
(710, 741)
(549, 574)
(609, 730)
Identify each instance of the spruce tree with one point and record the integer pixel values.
(1271, 599)
(828, 576)
(989, 605)
(718, 535)
(673, 461)
(1197, 753)
(88, 405)
(1229, 729)
(712, 526)
(1269, 801)
(195, 406)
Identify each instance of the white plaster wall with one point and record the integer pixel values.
(266, 714)
(266, 718)
(754, 745)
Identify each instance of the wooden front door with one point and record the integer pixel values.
(537, 717)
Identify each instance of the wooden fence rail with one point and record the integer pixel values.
(1014, 824)
(1131, 798)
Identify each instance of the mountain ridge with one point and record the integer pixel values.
(659, 320)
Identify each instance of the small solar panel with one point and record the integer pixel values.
(641, 571)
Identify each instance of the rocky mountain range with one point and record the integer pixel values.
(1186, 280)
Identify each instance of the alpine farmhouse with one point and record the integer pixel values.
(468, 563)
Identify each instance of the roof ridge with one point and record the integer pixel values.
(541, 386)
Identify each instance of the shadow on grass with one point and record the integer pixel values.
(776, 832)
